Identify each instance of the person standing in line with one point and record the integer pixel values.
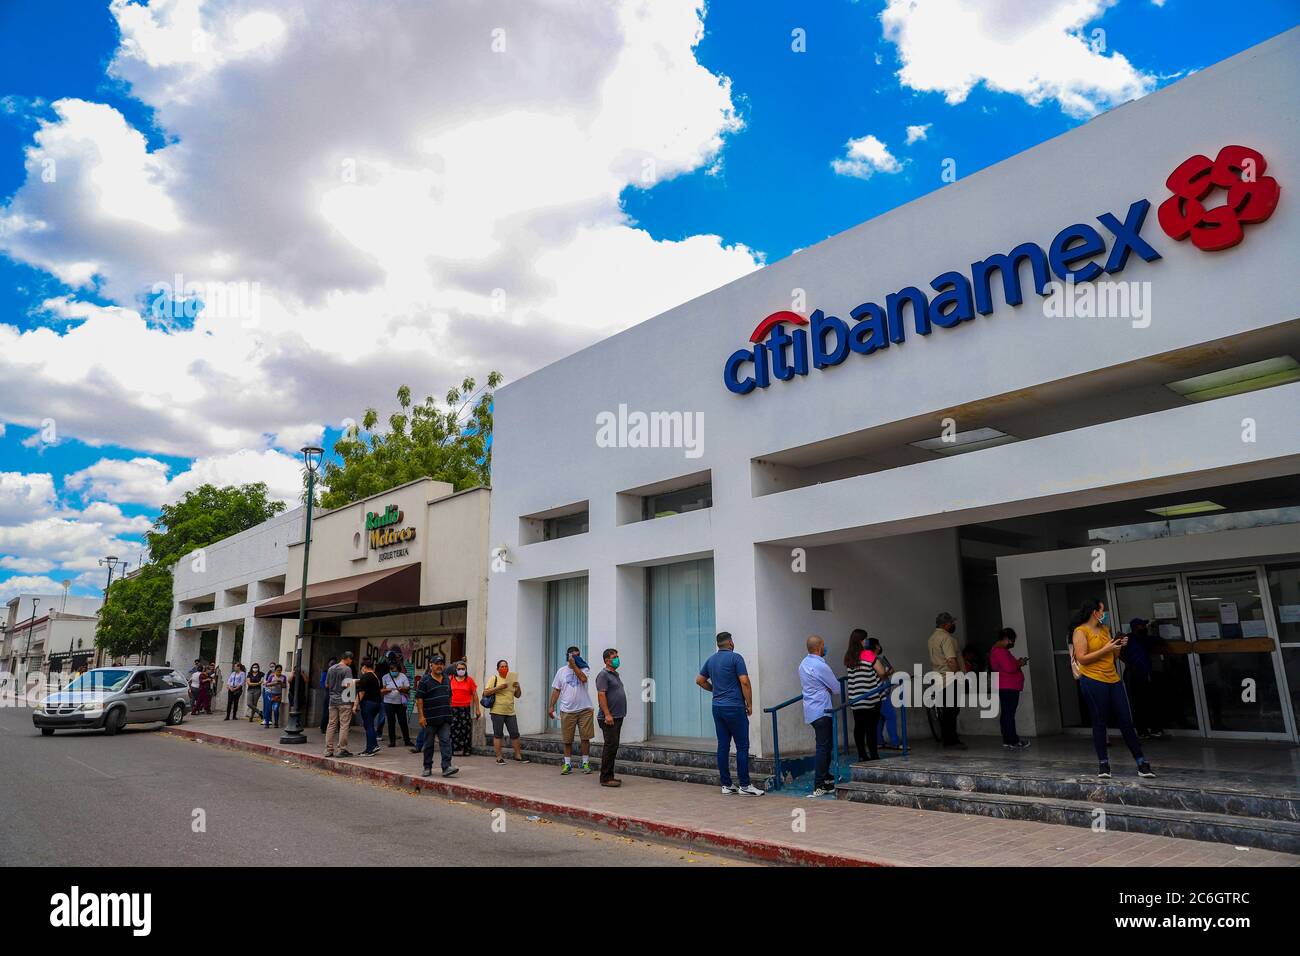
(433, 700)
(464, 701)
(865, 675)
(819, 686)
(338, 681)
(396, 687)
(198, 690)
(234, 688)
(215, 683)
(1094, 652)
(570, 688)
(369, 704)
(613, 708)
(254, 690)
(1011, 681)
(889, 719)
(194, 684)
(325, 697)
(946, 659)
(419, 737)
(503, 687)
(274, 692)
(1139, 678)
(725, 676)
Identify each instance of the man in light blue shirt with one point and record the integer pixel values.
(819, 686)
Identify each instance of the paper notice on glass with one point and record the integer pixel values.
(1228, 612)
(1289, 613)
(1207, 630)
(1164, 610)
(1170, 632)
(1254, 629)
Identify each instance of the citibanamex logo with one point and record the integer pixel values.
(1252, 197)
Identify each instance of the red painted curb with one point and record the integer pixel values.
(766, 850)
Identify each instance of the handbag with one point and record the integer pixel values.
(488, 700)
(1074, 665)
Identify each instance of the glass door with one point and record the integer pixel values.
(566, 626)
(1284, 599)
(1158, 670)
(1235, 655)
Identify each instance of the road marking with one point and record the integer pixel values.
(89, 767)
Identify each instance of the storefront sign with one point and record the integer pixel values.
(821, 341)
(382, 530)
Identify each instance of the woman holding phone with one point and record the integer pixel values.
(1094, 651)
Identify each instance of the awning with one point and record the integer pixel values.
(387, 590)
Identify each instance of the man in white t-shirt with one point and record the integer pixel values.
(570, 689)
(396, 688)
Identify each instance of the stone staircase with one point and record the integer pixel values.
(1252, 810)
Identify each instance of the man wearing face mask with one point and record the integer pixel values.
(613, 708)
(433, 695)
(464, 701)
(946, 659)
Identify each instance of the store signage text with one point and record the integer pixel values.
(828, 340)
(381, 528)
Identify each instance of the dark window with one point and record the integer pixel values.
(565, 525)
(821, 599)
(694, 498)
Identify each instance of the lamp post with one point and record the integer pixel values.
(27, 652)
(293, 734)
(111, 561)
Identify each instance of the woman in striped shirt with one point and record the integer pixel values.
(866, 675)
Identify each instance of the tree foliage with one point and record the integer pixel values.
(451, 443)
(137, 614)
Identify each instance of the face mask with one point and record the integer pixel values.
(613, 662)
(1102, 619)
(460, 672)
(503, 671)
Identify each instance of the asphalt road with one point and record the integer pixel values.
(136, 799)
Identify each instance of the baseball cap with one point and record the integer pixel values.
(437, 659)
(944, 618)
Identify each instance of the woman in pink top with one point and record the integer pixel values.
(1011, 681)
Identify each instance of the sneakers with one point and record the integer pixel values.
(728, 791)
(451, 771)
(428, 772)
(750, 791)
(1018, 745)
(566, 770)
(1103, 769)
(586, 767)
(501, 759)
(329, 753)
(345, 753)
(368, 753)
(611, 783)
(522, 760)
(823, 790)
(415, 750)
(1144, 769)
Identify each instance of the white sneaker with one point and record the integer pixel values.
(728, 791)
(750, 791)
(820, 792)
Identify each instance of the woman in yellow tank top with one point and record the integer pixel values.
(1094, 650)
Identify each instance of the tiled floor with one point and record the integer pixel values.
(877, 834)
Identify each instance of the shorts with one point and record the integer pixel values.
(581, 719)
(507, 721)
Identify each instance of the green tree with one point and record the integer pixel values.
(451, 443)
(137, 613)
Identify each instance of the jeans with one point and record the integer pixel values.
(397, 718)
(732, 723)
(1146, 709)
(370, 709)
(439, 733)
(864, 731)
(270, 710)
(822, 768)
(1008, 701)
(1107, 702)
(232, 704)
(608, 746)
(324, 710)
(889, 718)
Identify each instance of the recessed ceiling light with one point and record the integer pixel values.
(972, 440)
(1242, 378)
(1182, 511)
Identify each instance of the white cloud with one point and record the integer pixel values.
(24, 496)
(28, 584)
(146, 481)
(1041, 51)
(438, 219)
(26, 565)
(918, 132)
(864, 157)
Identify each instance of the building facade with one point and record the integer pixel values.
(1065, 376)
(26, 621)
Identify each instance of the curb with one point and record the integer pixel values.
(770, 851)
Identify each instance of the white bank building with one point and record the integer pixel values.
(1074, 374)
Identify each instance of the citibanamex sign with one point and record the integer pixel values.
(1251, 197)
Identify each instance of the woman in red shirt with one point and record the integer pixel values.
(464, 701)
(1011, 681)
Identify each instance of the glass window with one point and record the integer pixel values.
(565, 526)
(1284, 592)
(1166, 689)
(678, 502)
(105, 679)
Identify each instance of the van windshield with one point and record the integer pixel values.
(101, 680)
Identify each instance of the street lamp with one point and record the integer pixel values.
(111, 561)
(311, 456)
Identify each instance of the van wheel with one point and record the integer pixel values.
(114, 721)
(177, 715)
(47, 731)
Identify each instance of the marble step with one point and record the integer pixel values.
(1183, 790)
(1282, 836)
(634, 768)
(650, 753)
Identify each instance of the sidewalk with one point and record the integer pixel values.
(836, 832)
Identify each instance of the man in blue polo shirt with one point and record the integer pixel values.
(724, 676)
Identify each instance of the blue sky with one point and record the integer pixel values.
(751, 164)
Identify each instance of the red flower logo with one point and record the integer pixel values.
(1252, 197)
